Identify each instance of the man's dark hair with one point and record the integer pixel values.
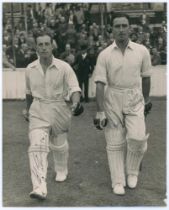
(43, 33)
(119, 15)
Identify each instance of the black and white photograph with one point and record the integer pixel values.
(84, 99)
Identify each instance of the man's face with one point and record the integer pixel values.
(67, 48)
(24, 47)
(44, 46)
(121, 29)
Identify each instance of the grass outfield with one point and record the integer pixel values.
(88, 183)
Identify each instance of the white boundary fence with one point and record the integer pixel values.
(14, 83)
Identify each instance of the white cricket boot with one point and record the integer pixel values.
(132, 181)
(39, 192)
(119, 189)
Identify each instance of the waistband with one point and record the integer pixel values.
(124, 89)
(48, 101)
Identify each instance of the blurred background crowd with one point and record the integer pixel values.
(75, 29)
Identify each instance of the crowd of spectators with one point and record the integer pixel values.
(71, 26)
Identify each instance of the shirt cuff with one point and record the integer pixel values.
(74, 89)
(99, 79)
(146, 74)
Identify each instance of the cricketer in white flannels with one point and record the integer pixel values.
(48, 81)
(124, 67)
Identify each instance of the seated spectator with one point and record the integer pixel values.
(153, 36)
(49, 12)
(134, 37)
(68, 55)
(6, 62)
(161, 47)
(100, 41)
(145, 24)
(147, 44)
(155, 57)
(104, 44)
(8, 27)
(162, 32)
(30, 40)
(35, 28)
(81, 39)
(71, 36)
(52, 24)
(17, 32)
(83, 28)
(31, 16)
(79, 14)
(87, 15)
(7, 37)
(12, 50)
(147, 36)
(63, 26)
(71, 18)
(22, 58)
(22, 38)
(40, 14)
(90, 30)
(95, 31)
(109, 17)
(163, 55)
(91, 42)
(164, 26)
(140, 35)
(58, 10)
(31, 55)
(108, 31)
(110, 39)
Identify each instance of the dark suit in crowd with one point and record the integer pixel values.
(83, 68)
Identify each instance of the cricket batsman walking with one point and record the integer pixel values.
(125, 68)
(48, 81)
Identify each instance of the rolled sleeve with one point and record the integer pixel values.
(100, 74)
(71, 80)
(146, 69)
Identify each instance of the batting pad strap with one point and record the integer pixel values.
(38, 137)
(60, 148)
(115, 147)
(137, 146)
(138, 139)
(38, 148)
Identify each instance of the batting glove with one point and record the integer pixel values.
(147, 108)
(100, 120)
(77, 109)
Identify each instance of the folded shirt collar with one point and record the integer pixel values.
(130, 45)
